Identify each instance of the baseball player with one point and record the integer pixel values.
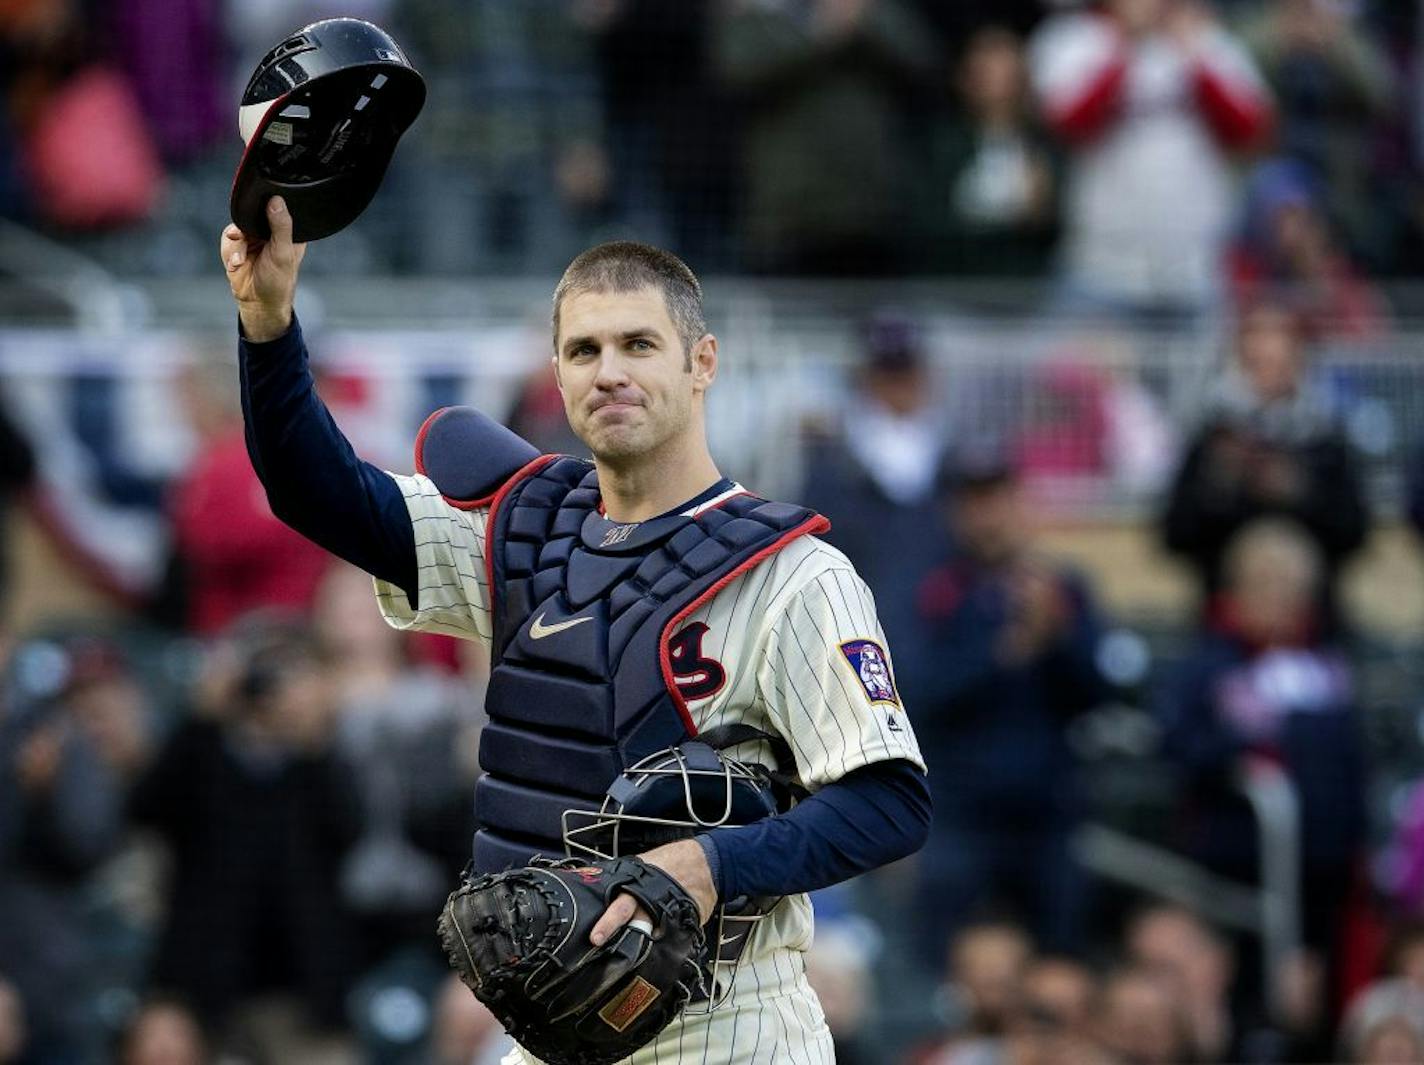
(629, 602)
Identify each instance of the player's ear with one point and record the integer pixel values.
(702, 363)
(558, 377)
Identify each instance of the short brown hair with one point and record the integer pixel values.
(626, 265)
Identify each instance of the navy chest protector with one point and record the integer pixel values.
(582, 684)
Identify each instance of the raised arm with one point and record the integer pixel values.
(314, 480)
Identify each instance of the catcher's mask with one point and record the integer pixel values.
(677, 793)
(321, 117)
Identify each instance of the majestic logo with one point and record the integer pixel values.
(697, 676)
(871, 666)
(539, 630)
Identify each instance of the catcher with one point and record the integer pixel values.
(632, 603)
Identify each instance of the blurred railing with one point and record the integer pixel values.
(1270, 910)
(1097, 410)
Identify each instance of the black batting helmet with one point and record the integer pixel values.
(321, 117)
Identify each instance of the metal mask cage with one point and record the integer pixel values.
(599, 834)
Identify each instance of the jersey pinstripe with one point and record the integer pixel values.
(792, 646)
(772, 1018)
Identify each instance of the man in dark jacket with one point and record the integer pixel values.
(873, 476)
(1265, 684)
(1268, 446)
(258, 813)
(1015, 638)
(59, 820)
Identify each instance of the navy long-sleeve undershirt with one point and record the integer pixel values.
(316, 484)
(314, 480)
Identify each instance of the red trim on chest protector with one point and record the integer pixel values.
(420, 439)
(810, 526)
(526, 471)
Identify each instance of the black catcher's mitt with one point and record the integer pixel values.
(519, 940)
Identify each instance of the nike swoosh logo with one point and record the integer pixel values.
(728, 940)
(539, 630)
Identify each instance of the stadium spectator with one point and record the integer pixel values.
(538, 414)
(873, 475)
(258, 812)
(1184, 950)
(988, 184)
(1003, 1004)
(164, 1031)
(1268, 445)
(60, 818)
(823, 87)
(987, 962)
(1286, 254)
(1405, 956)
(507, 169)
(1055, 1015)
(232, 555)
(1087, 418)
(1405, 883)
(672, 150)
(1385, 1025)
(108, 704)
(1150, 97)
(1265, 684)
(1333, 90)
(1059, 991)
(410, 733)
(979, 1001)
(160, 44)
(838, 965)
(1140, 1020)
(464, 1031)
(1014, 638)
(13, 1033)
(80, 153)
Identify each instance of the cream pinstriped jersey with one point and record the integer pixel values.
(792, 646)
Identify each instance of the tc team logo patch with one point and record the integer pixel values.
(871, 666)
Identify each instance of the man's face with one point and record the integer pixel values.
(624, 374)
(1140, 1021)
(1274, 597)
(990, 521)
(1270, 354)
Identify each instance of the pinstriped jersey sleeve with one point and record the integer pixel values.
(450, 567)
(827, 680)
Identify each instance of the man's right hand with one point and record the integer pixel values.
(263, 274)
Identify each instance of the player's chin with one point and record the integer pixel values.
(615, 447)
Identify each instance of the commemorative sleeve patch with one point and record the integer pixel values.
(871, 666)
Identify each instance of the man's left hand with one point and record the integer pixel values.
(685, 863)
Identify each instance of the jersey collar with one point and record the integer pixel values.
(600, 533)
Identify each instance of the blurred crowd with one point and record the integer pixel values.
(1151, 157)
(1250, 725)
(227, 820)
